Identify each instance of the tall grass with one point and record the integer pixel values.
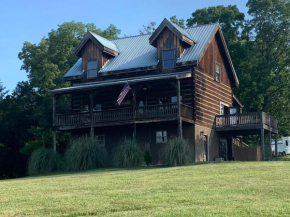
(44, 161)
(128, 154)
(177, 152)
(84, 154)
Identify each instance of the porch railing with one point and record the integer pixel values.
(156, 111)
(246, 119)
(124, 114)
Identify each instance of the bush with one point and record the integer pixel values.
(128, 154)
(177, 152)
(84, 154)
(148, 157)
(44, 161)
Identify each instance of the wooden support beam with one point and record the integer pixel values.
(91, 115)
(276, 147)
(179, 110)
(134, 90)
(263, 144)
(270, 138)
(54, 120)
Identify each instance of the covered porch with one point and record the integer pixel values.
(253, 123)
(166, 97)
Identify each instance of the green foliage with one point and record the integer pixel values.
(148, 157)
(177, 152)
(84, 154)
(179, 22)
(149, 29)
(128, 154)
(43, 161)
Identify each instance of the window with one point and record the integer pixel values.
(286, 143)
(161, 136)
(92, 69)
(223, 107)
(217, 71)
(174, 99)
(100, 140)
(168, 59)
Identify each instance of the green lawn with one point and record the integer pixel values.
(226, 189)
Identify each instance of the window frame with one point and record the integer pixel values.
(173, 59)
(215, 71)
(92, 69)
(164, 137)
(224, 104)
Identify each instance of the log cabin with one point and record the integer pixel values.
(182, 83)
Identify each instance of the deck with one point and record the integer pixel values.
(245, 123)
(128, 115)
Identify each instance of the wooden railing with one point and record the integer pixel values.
(167, 111)
(156, 111)
(113, 115)
(246, 119)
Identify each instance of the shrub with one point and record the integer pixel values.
(177, 152)
(44, 161)
(148, 157)
(84, 154)
(128, 154)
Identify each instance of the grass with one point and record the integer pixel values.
(225, 189)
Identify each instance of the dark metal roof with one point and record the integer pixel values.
(87, 86)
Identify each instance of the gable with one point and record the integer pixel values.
(217, 53)
(178, 32)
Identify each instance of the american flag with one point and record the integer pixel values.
(123, 93)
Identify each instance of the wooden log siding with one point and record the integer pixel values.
(208, 93)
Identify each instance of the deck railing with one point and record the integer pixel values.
(166, 111)
(246, 119)
(156, 111)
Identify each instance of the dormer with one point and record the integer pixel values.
(95, 51)
(171, 41)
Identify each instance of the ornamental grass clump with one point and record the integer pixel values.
(128, 154)
(177, 152)
(43, 161)
(85, 153)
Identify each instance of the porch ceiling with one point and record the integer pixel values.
(133, 80)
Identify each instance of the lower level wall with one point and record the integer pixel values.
(145, 135)
(213, 143)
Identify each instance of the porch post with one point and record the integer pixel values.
(263, 144)
(276, 147)
(54, 121)
(134, 112)
(91, 115)
(179, 111)
(270, 145)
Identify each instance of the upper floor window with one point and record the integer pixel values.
(217, 71)
(92, 70)
(168, 59)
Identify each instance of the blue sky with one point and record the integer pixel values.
(31, 20)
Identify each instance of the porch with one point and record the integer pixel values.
(253, 123)
(128, 115)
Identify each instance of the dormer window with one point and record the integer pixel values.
(168, 59)
(92, 69)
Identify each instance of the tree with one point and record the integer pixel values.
(45, 64)
(179, 22)
(265, 77)
(149, 29)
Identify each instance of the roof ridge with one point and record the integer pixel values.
(132, 36)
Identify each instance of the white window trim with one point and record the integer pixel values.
(217, 63)
(225, 104)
